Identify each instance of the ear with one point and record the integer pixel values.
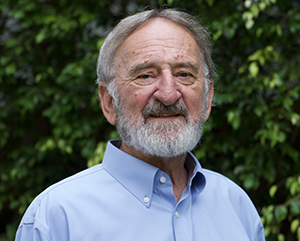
(107, 104)
(209, 99)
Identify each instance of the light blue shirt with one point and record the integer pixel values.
(127, 199)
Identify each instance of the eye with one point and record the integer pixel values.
(186, 78)
(184, 75)
(144, 76)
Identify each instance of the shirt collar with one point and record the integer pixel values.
(121, 165)
(197, 179)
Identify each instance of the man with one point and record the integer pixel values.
(155, 84)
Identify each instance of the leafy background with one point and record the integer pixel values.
(51, 125)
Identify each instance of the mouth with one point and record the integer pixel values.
(158, 111)
(160, 115)
(165, 116)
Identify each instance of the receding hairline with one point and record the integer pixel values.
(150, 20)
(143, 25)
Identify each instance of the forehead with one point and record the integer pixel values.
(159, 38)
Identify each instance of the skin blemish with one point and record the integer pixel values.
(146, 61)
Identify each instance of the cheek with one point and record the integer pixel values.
(195, 107)
(141, 98)
(193, 99)
(134, 100)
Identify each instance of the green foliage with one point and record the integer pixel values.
(50, 119)
(51, 124)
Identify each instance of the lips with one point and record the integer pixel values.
(157, 115)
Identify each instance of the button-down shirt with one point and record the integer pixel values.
(127, 199)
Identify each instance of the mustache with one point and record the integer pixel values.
(157, 107)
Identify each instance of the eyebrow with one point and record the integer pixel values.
(136, 69)
(189, 65)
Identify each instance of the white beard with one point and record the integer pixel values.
(167, 139)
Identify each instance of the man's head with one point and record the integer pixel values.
(154, 74)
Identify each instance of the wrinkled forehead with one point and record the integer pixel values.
(159, 36)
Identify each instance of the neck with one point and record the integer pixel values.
(173, 166)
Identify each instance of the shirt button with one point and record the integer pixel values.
(162, 180)
(177, 214)
(146, 199)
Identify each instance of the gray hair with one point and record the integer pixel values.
(105, 65)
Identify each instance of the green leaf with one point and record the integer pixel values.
(267, 231)
(273, 191)
(278, 30)
(259, 32)
(234, 118)
(287, 103)
(247, 15)
(253, 69)
(295, 118)
(249, 182)
(280, 213)
(280, 237)
(11, 42)
(294, 188)
(255, 10)
(99, 43)
(247, 3)
(249, 23)
(10, 69)
(217, 35)
(41, 36)
(276, 81)
(294, 225)
(262, 6)
(38, 77)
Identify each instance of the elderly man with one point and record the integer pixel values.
(155, 84)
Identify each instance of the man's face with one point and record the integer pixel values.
(162, 105)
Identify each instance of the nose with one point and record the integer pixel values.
(167, 89)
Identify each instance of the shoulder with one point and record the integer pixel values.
(64, 190)
(222, 188)
(229, 195)
(218, 181)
